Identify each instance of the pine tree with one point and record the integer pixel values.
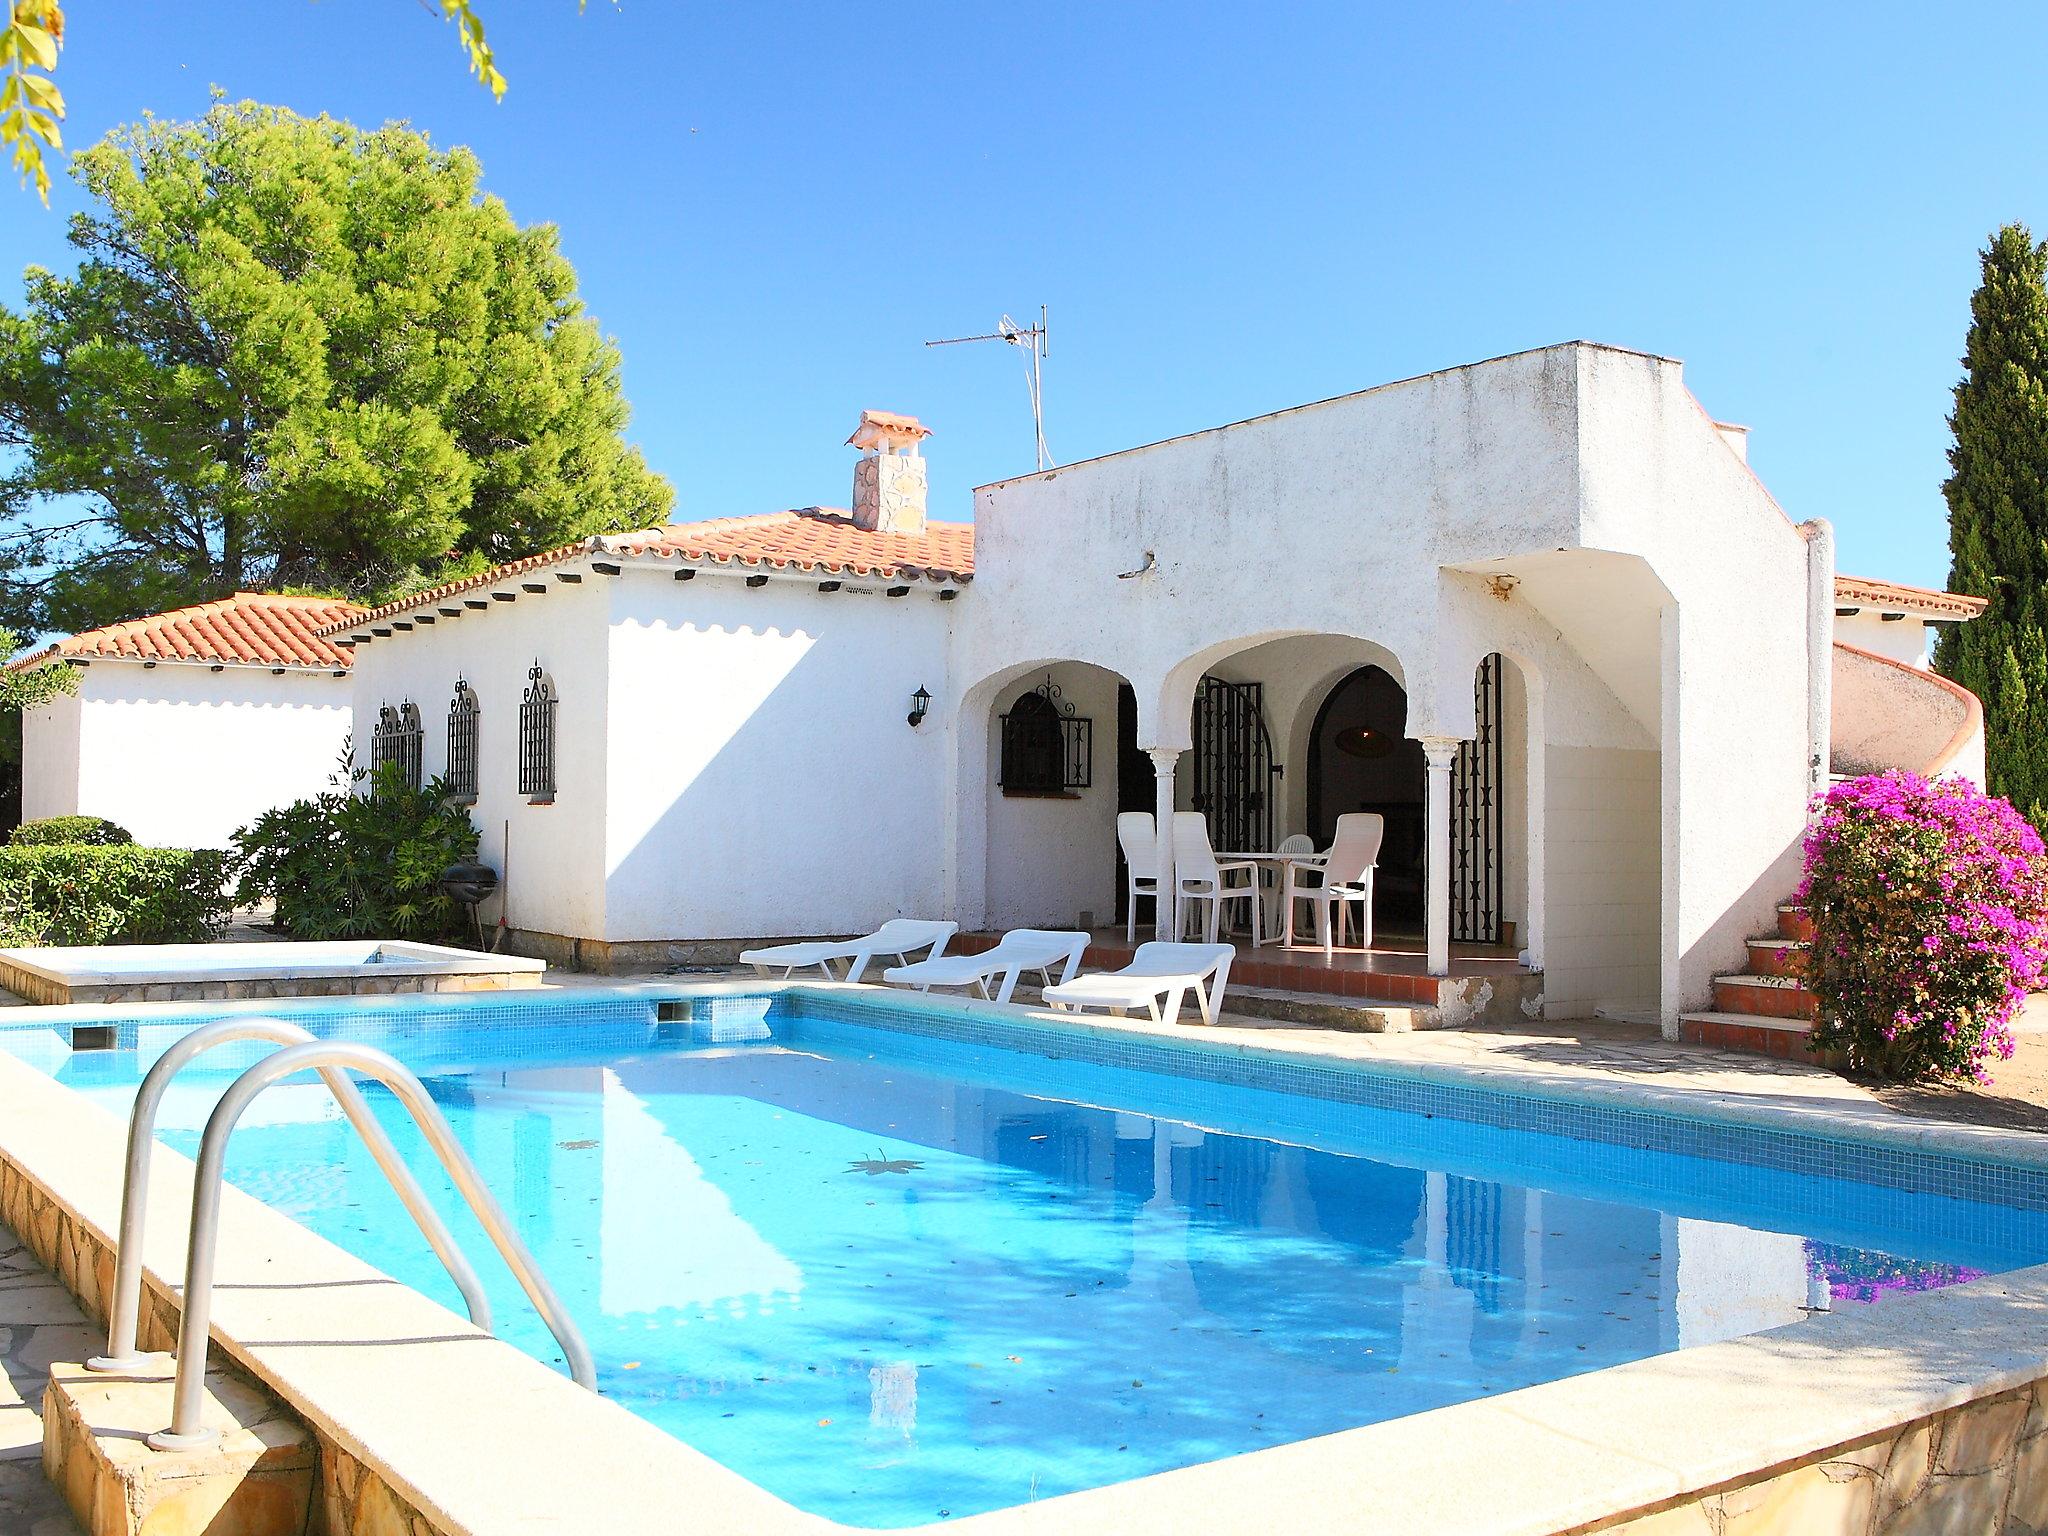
(1997, 494)
(297, 354)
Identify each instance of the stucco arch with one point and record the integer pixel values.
(1078, 828)
(1172, 700)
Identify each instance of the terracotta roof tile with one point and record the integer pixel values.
(874, 422)
(815, 540)
(250, 629)
(1866, 592)
(820, 539)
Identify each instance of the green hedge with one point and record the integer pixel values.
(55, 831)
(117, 894)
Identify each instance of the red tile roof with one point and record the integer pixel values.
(818, 541)
(1863, 591)
(250, 629)
(812, 539)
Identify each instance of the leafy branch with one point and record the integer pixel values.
(30, 104)
(482, 62)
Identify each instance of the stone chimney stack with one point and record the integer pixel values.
(889, 481)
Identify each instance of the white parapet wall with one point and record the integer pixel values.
(182, 754)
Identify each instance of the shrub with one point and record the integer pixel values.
(346, 865)
(55, 831)
(1929, 904)
(116, 894)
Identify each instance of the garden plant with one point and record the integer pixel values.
(111, 893)
(353, 865)
(1929, 904)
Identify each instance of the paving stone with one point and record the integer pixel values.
(1981, 1436)
(1807, 1500)
(2029, 1513)
(256, 1479)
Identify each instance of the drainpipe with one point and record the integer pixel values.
(1820, 652)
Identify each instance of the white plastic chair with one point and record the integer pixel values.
(1197, 877)
(1346, 877)
(1158, 970)
(1295, 845)
(900, 936)
(1138, 836)
(1018, 951)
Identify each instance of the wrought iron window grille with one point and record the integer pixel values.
(398, 741)
(537, 738)
(462, 749)
(1047, 749)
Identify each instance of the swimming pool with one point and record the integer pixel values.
(896, 1262)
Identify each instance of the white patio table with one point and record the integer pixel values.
(1273, 867)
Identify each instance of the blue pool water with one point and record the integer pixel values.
(895, 1270)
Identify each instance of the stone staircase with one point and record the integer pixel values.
(1766, 1008)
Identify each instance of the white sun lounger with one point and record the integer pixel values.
(1018, 951)
(1158, 970)
(901, 937)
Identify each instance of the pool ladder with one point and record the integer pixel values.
(333, 1060)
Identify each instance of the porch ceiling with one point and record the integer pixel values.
(1609, 609)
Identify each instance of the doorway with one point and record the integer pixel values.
(1360, 759)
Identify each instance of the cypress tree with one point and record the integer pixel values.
(1997, 493)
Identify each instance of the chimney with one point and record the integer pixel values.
(889, 479)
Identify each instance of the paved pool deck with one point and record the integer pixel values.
(39, 1323)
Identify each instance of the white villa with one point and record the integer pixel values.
(244, 691)
(1537, 612)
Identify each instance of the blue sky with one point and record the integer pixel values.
(1229, 210)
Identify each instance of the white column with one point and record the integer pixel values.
(1439, 751)
(1163, 760)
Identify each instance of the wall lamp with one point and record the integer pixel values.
(920, 706)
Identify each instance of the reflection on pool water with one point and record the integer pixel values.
(893, 1278)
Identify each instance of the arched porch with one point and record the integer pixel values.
(1268, 732)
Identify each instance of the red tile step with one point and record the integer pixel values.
(1785, 1039)
(1774, 997)
(1296, 974)
(1793, 923)
(1773, 956)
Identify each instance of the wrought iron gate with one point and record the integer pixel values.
(1476, 791)
(1234, 765)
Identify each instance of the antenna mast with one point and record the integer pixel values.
(1032, 337)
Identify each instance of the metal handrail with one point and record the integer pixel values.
(189, 1391)
(125, 1309)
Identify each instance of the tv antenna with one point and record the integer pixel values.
(1032, 338)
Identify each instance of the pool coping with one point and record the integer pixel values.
(27, 971)
(396, 1380)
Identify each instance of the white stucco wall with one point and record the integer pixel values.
(182, 755)
(763, 779)
(1735, 657)
(1050, 859)
(1659, 606)
(50, 737)
(554, 876)
(1909, 640)
(1890, 714)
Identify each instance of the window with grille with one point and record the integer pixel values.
(397, 740)
(462, 744)
(1046, 748)
(537, 737)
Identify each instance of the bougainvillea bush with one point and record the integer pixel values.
(1929, 903)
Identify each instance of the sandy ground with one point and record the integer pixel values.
(2017, 1097)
